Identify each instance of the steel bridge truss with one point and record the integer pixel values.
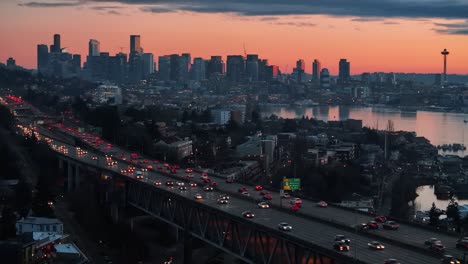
(248, 241)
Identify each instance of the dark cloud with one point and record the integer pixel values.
(460, 28)
(295, 24)
(269, 18)
(158, 10)
(367, 19)
(113, 12)
(101, 8)
(50, 4)
(390, 23)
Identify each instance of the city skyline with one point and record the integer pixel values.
(380, 44)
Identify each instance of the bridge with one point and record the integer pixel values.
(256, 240)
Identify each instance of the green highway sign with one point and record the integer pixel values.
(291, 184)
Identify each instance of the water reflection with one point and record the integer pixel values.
(426, 197)
(439, 127)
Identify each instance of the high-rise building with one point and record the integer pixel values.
(198, 69)
(316, 71)
(11, 63)
(299, 70)
(117, 67)
(94, 48)
(148, 64)
(251, 67)
(235, 68)
(76, 62)
(215, 65)
(344, 74)
(164, 70)
(42, 58)
(185, 61)
(56, 46)
(135, 45)
(175, 67)
(324, 78)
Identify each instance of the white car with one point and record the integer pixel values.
(295, 201)
(198, 196)
(286, 195)
(222, 201)
(284, 226)
(263, 205)
(180, 183)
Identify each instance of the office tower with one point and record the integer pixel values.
(365, 77)
(299, 70)
(135, 45)
(94, 48)
(198, 69)
(164, 70)
(148, 64)
(185, 60)
(215, 65)
(76, 62)
(56, 46)
(445, 53)
(251, 67)
(344, 71)
(11, 63)
(316, 71)
(175, 67)
(42, 57)
(117, 67)
(324, 78)
(235, 68)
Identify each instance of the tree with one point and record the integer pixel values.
(434, 214)
(454, 213)
(7, 223)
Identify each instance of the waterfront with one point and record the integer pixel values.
(426, 197)
(439, 127)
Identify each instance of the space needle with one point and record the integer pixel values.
(445, 53)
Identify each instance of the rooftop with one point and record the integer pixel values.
(67, 248)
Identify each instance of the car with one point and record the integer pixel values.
(243, 189)
(246, 193)
(248, 214)
(166, 165)
(144, 169)
(94, 157)
(263, 205)
(362, 227)
(391, 261)
(462, 243)
(258, 188)
(381, 219)
(173, 171)
(179, 183)
(322, 204)
(214, 184)
(229, 180)
(189, 170)
(155, 162)
(224, 196)
(392, 225)
(431, 241)
(295, 207)
(375, 245)
(157, 183)
(169, 183)
(373, 225)
(267, 197)
(343, 238)
(341, 246)
(222, 201)
(193, 184)
(449, 259)
(160, 168)
(150, 167)
(182, 188)
(204, 174)
(437, 247)
(207, 180)
(286, 195)
(284, 226)
(139, 177)
(198, 196)
(208, 188)
(264, 192)
(295, 201)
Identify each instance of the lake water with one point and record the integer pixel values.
(426, 197)
(439, 127)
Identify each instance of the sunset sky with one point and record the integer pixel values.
(375, 35)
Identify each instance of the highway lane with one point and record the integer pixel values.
(305, 229)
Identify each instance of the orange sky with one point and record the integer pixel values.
(404, 46)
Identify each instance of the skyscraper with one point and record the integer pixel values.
(344, 74)
(185, 61)
(198, 69)
(56, 46)
(324, 78)
(316, 71)
(299, 70)
(215, 65)
(235, 68)
(164, 70)
(175, 67)
(135, 45)
(148, 64)
(251, 67)
(42, 57)
(94, 48)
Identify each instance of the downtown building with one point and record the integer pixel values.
(57, 61)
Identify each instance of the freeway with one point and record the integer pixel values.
(407, 234)
(305, 229)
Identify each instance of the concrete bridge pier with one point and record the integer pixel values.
(77, 177)
(70, 178)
